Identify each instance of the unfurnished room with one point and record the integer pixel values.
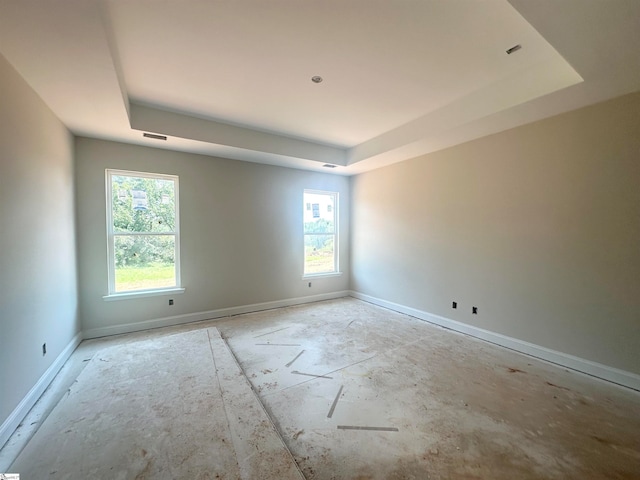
(320, 239)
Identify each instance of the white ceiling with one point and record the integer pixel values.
(402, 78)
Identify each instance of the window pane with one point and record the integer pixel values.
(320, 232)
(319, 254)
(143, 204)
(144, 261)
(320, 225)
(320, 217)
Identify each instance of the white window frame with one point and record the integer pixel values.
(336, 256)
(113, 295)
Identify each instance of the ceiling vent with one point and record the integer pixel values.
(154, 136)
(515, 48)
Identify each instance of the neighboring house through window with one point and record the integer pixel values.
(320, 232)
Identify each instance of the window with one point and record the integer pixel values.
(143, 231)
(320, 232)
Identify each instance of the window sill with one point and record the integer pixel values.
(142, 294)
(321, 275)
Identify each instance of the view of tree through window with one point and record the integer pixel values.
(320, 232)
(143, 231)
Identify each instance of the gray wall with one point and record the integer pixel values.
(37, 238)
(241, 232)
(538, 226)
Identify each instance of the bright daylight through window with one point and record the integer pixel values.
(143, 231)
(320, 232)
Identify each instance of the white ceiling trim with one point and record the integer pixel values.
(151, 119)
(526, 85)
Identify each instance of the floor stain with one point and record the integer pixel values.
(145, 472)
(557, 386)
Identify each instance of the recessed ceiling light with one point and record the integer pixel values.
(316, 79)
(515, 48)
(154, 136)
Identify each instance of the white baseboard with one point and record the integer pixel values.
(23, 408)
(209, 315)
(614, 375)
(29, 400)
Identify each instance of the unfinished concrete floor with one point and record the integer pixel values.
(354, 391)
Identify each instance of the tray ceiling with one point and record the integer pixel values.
(399, 78)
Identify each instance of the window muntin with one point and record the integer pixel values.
(320, 213)
(143, 231)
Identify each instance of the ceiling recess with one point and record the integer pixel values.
(316, 79)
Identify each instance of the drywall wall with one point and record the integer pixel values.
(539, 227)
(37, 240)
(241, 233)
